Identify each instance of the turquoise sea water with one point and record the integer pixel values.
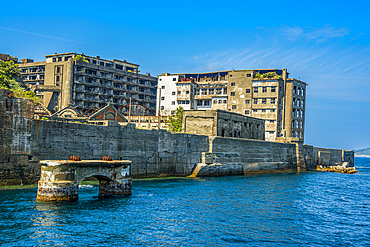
(297, 209)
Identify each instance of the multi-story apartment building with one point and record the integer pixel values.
(6, 57)
(33, 74)
(92, 82)
(266, 94)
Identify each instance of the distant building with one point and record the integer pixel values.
(6, 57)
(222, 123)
(93, 115)
(266, 94)
(62, 81)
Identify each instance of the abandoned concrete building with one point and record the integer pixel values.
(265, 94)
(62, 80)
(222, 123)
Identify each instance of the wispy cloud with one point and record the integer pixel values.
(312, 33)
(57, 38)
(332, 69)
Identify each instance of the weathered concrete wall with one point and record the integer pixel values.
(24, 142)
(333, 157)
(252, 156)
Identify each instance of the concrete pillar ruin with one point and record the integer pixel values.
(60, 178)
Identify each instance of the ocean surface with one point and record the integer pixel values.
(286, 209)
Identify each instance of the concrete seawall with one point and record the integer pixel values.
(24, 142)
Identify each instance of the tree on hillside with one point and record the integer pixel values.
(9, 72)
(175, 121)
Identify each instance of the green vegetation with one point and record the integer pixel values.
(9, 72)
(267, 75)
(175, 121)
(81, 58)
(18, 187)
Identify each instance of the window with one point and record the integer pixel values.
(264, 101)
(254, 110)
(249, 75)
(173, 103)
(246, 112)
(255, 89)
(272, 121)
(263, 110)
(187, 102)
(302, 92)
(293, 101)
(224, 101)
(302, 103)
(58, 69)
(196, 91)
(59, 59)
(247, 90)
(215, 101)
(247, 101)
(273, 89)
(163, 87)
(272, 101)
(293, 113)
(301, 114)
(204, 91)
(187, 92)
(264, 89)
(94, 62)
(225, 90)
(232, 94)
(199, 103)
(255, 101)
(162, 98)
(233, 84)
(299, 91)
(207, 102)
(174, 79)
(294, 89)
(162, 108)
(220, 101)
(211, 91)
(233, 107)
(173, 93)
(54, 60)
(178, 92)
(172, 112)
(57, 79)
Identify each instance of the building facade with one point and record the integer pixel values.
(265, 94)
(222, 123)
(91, 82)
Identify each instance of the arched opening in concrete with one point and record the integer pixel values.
(60, 179)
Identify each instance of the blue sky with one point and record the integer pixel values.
(324, 43)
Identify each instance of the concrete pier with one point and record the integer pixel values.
(60, 178)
